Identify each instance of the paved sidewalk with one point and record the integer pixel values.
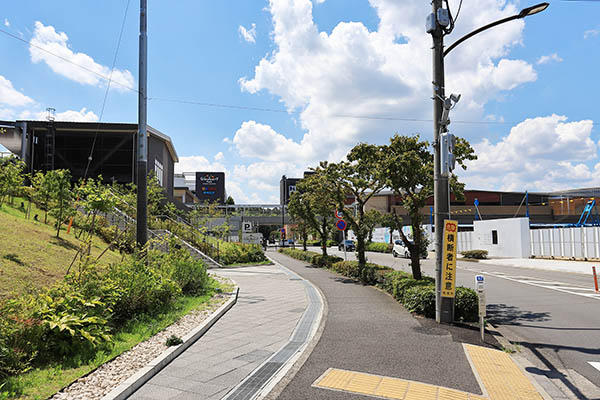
(270, 305)
(371, 346)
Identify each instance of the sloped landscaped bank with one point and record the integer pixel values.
(416, 296)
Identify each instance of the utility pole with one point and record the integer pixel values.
(444, 306)
(142, 138)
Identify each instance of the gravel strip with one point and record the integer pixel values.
(108, 376)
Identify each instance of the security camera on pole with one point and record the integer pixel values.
(439, 23)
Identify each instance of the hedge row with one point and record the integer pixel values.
(475, 254)
(379, 247)
(416, 296)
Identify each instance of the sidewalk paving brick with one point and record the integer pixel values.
(269, 306)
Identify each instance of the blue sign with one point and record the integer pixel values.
(479, 278)
(341, 225)
(476, 202)
(283, 230)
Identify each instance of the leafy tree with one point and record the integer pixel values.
(44, 185)
(11, 177)
(372, 219)
(409, 173)
(95, 198)
(229, 201)
(313, 206)
(62, 197)
(358, 179)
(388, 221)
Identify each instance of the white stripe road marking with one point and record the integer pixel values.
(541, 283)
(595, 364)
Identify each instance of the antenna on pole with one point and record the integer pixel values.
(50, 114)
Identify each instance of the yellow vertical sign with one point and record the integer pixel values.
(449, 258)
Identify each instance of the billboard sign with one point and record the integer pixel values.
(210, 187)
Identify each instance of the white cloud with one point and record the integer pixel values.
(543, 153)
(6, 23)
(249, 35)
(354, 71)
(260, 141)
(10, 96)
(219, 156)
(82, 115)
(46, 40)
(549, 58)
(591, 33)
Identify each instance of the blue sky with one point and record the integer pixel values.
(528, 87)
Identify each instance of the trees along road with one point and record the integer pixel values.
(553, 316)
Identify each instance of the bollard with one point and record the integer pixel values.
(595, 278)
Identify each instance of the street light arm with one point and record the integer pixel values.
(476, 31)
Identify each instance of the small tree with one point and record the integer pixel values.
(62, 197)
(409, 173)
(44, 185)
(11, 177)
(356, 180)
(229, 201)
(372, 219)
(95, 198)
(313, 205)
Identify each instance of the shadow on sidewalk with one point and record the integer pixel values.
(504, 314)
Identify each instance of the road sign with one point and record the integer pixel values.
(247, 226)
(282, 230)
(480, 282)
(339, 214)
(341, 225)
(449, 258)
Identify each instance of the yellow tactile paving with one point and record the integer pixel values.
(500, 375)
(502, 378)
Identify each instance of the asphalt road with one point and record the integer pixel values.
(549, 313)
(366, 330)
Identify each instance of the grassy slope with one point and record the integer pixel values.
(31, 257)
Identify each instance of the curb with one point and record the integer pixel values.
(134, 382)
(276, 381)
(521, 362)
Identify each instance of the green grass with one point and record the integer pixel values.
(249, 264)
(42, 383)
(31, 257)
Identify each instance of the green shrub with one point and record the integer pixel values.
(466, 305)
(299, 254)
(70, 324)
(322, 261)
(379, 247)
(173, 340)
(234, 253)
(475, 254)
(420, 299)
(371, 274)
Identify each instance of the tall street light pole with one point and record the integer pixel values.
(142, 138)
(444, 306)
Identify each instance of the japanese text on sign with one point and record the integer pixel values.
(449, 258)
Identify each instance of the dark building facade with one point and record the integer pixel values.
(210, 187)
(48, 145)
(287, 186)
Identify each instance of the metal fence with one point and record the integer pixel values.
(465, 241)
(582, 242)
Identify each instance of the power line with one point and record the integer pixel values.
(250, 108)
(64, 59)
(112, 69)
(367, 117)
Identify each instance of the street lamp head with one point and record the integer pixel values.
(538, 8)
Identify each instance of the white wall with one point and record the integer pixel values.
(582, 242)
(513, 237)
